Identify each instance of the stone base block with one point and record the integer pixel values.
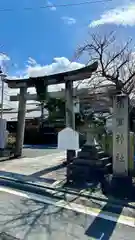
(4, 153)
(89, 148)
(87, 155)
(78, 173)
(121, 185)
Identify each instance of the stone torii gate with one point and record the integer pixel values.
(41, 83)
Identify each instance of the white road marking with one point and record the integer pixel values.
(128, 221)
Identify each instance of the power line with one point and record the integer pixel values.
(54, 5)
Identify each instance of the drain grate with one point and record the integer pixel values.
(5, 236)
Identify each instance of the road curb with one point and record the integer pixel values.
(27, 186)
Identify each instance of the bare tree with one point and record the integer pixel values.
(116, 64)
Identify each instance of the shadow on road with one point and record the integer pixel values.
(102, 228)
(32, 220)
(29, 219)
(5, 236)
(48, 170)
(25, 178)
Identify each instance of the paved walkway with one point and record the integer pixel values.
(39, 166)
(45, 167)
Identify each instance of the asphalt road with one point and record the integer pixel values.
(27, 219)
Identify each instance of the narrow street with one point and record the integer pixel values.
(26, 215)
(31, 217)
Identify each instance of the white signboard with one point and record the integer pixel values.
(76, 105)
(68, 139)
(120, 135)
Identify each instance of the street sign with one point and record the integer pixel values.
(68, 139)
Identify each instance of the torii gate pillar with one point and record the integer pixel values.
(21, 122)
(70, 115)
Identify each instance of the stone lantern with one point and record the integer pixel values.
(91, 161)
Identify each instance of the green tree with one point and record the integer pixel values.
(56, 108)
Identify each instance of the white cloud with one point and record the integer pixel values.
(3, 61)
(31, 61)
(4, 57)
(122, 15)
(60, 64)
(69, 20)
(51, 6)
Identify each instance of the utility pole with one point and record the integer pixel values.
(3, 133)
(2, 76)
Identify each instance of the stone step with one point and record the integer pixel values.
(84, 174)
(87, 155)
(107, 158)
(93, 155)
(102, 154)
(87, 173)
(81, 168)
(99, 148)
(98, 163)
(89, 148)
(108, 168)
(80, 161)
(79, 174)
(104, 161)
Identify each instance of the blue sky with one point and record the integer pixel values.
(43, 41)
(45, 34)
